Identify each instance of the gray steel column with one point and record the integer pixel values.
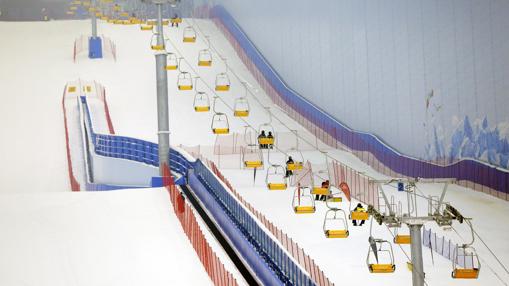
(163, 120)
(416, 250)
(94, 19)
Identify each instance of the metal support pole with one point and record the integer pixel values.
(416, 251)
(94, 19)
(163, 120)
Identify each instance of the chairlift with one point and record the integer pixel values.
(319, 189)
(171, 62)
(298, 161)
(201, 102)
(241, 107)
(334, 198)
(154, 45)
(466, 263)
(302, 201)
(220, 124)
(401, 238)
(335, 224)
(205, 56)
(184, 81)
(376, 248)
(275, 178)
(267, 127)
(357, 214)
(189, 35)
(222, 79)
(252, 157)
(177, 20)
(146, 27)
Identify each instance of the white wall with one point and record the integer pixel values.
(372, 63)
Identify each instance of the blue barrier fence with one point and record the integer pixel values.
(114, 146)
(276, 259)
(466, 169)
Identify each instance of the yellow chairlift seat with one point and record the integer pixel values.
(465, 273)
(253, 164)
(241, 113)
(98, 14)
(176, 20)
(207, 63)
(152, 22)
(189, 35)
(402, 239)
(118, 21)
(222, 87)
(205, 58)
(304, 209)
(76, 2)
(359, 215)
(146, 27)
(157, 47)
(70, 12)
(382, 268)
(296, 166)
(91, 9)
(124, 14)
(112, 21)
(338, 233)
(104, 18)
(220, 130)
(73, 8)
(184, 81)
(277, 186)
(320, 191)
(202, 108)
(265, 141)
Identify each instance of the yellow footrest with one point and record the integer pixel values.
(465, 273)
(201, 108)
(221, 130)
(185, 87)
(146, 28)
(266, 141)
(402, 239)
(304, 209)
(222, 87)
(253, 164)
(382, 268)
(241, 113)
(337, 233)
(276, 186)
(189, 39)
(204, 63)
(171, 67)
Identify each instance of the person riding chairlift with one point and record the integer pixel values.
(325, 185)
(270, 137)
(359, 208)
(262, 136)
(290, 161)
(175, 23)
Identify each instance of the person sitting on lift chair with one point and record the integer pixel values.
(359, 208)
(288, 172)
(174, 22)
(262, 136)
(325, 185)
(270, 146)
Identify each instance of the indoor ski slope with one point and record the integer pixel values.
(131, 93)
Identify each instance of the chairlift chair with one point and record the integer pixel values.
(302, 201)
(334, 198)
(184, 81)
(318, 189)
(298, 163)
(252, 157)
(267, 127)
(220, 124)
(204, 58)
(241, 107)
(189, 35)
(275, 178)
(146, 27)
(401, 238)
(465, 263)
(337, 216)
(222, 82)
(201, 102)
(358, 215)
(177, 20)
(154, 45)
(373, 259)
(171, 62)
